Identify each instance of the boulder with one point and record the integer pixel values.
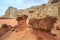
(5, 28)
(46, 23)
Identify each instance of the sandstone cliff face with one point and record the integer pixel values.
(53, 1)
(52, 9)
(12, 12)
(34, 11)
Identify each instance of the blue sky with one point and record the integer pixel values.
(20, 4)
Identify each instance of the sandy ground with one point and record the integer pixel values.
(11, 22)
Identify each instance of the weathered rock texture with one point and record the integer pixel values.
(34, 11)
(46, 23)
(12, 12)
(52, 9)
(53, 1)
(4, 29)
(27, 33)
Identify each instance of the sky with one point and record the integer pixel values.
(20, 4)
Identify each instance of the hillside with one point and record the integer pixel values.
(34, 11)
(51, 8)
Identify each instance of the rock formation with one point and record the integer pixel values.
(46, 23)
(5, 28)
(39, 27)
(34, 11)
(53, 1)
(51, 8)
(12, 12)
(42, 27)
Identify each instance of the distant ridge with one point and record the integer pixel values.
(51, 8)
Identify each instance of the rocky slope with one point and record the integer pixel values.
(12, 12)
(34, 11)
(51, 8)
(53, 1)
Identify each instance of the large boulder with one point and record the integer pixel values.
(42, 27)
(45, 23)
